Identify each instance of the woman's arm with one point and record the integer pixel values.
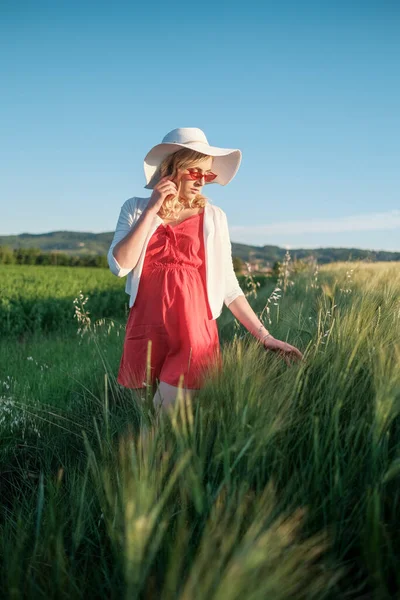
(129, 238)
(238, 304)
(232, 287)
(241, 309)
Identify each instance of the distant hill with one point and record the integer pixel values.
(83, 243)
(70, 242)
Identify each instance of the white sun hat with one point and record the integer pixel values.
(225, 164)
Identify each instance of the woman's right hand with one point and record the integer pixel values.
(164, 188)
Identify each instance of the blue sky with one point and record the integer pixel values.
(309, 91)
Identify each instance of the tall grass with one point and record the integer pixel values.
(273, 482)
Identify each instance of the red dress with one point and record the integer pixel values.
(171, 309)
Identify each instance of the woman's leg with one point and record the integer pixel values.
(142, 391)
(166, 395)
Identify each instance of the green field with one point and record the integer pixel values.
(275, 482)
(40, 299)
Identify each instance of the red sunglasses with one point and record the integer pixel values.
(207, 176)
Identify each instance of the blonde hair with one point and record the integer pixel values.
(182, 159)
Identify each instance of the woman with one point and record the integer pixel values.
(176, 243)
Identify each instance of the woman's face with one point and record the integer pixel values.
(189, 187)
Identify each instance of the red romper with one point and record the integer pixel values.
(171, 309)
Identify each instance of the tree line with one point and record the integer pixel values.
(36, 256)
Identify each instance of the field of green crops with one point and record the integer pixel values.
(40, 299)
(274, 482)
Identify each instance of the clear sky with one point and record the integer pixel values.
(309, 91)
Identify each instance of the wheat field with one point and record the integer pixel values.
(274, 482)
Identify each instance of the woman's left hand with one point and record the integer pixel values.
(286, 351)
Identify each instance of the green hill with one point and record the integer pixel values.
(71, 242)
(82, 243)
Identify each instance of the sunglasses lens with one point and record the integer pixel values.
(207, 177)
(210, 177)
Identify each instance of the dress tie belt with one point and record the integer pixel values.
(173, 264)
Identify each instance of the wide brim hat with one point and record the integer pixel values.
(226, 161)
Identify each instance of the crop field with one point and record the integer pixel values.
(40, 299)
(274, 482)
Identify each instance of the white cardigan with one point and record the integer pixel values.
(222, 284)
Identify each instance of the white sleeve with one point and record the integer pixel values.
(232, 287)
(125, 221)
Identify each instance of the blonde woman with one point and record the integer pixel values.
(176, 244)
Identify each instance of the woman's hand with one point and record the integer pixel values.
(286, 351)
(164, 188)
